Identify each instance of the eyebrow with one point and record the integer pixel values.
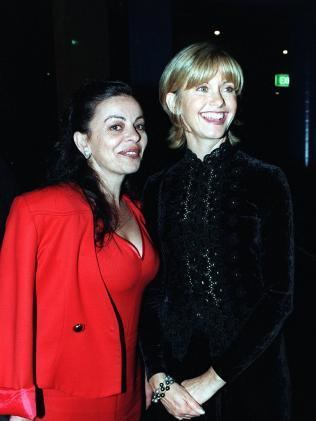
(114, 116)
(121, 117)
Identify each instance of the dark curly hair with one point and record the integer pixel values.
(69, 165)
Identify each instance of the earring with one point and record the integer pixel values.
(86, 152)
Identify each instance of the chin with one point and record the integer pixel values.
(132, 169)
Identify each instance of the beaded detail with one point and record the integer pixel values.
(195, 201)
(192, 239)
(162, 389)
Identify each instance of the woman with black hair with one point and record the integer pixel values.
(74, 262)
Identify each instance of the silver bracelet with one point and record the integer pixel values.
(162, 389)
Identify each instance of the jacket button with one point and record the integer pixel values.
(237, 276)
(79, 327)
(236, 171)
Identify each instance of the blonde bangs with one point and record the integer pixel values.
(202, 70)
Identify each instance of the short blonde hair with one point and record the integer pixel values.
(195, 64)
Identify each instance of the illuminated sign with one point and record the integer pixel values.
(282, 80)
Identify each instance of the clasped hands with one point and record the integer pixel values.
(184, 400)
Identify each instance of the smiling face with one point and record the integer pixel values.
(116, 139)
(207, 110)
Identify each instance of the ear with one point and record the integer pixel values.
(171, 101)
(81, 141)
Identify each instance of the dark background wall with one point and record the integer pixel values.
(49, 47)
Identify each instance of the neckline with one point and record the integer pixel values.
(139, 254)
(224, 150)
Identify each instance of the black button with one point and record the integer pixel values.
(236, 171)
(232, 203)
(237, 276)
(234, 186)
(79, 327)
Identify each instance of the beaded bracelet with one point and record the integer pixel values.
(163, 387)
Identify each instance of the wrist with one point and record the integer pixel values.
(156, 379)
(215, 380)
(164, 386)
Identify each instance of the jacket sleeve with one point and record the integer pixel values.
(268, 316)
(150, 328)
(17, 280)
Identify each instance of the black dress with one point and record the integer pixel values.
(225, 234)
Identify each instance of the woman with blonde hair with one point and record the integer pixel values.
(212, 324)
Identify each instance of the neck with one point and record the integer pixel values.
(202, 147)
(112, 191)
(111, 187)
(110, 184)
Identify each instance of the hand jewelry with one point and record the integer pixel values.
(162, 389)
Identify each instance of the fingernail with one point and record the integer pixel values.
(201, 411)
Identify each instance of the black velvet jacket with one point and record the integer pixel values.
(225, 234)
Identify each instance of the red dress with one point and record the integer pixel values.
(126, 271)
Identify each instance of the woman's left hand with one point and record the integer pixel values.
(203, 387)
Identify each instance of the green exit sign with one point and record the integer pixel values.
(282, 80)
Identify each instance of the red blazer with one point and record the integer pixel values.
(50, 283)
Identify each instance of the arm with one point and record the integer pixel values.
(17, 273)
(268, 317)
(177, 400)
(151, 337)
(203, 387)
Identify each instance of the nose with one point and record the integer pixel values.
(134, 135)
(216, 98)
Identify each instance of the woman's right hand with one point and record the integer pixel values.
(15, 418)
(177, 401)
